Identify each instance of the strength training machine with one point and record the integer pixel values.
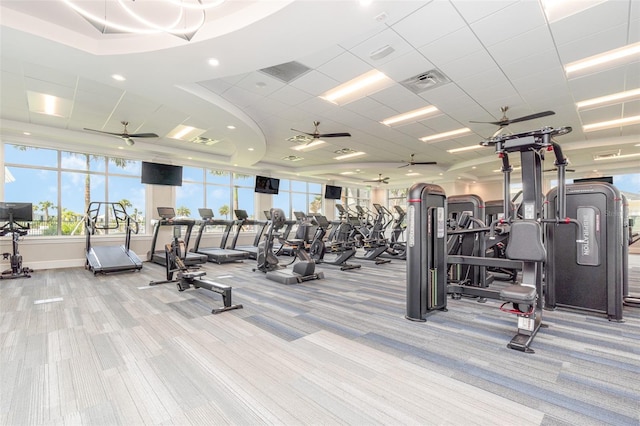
(187, 277)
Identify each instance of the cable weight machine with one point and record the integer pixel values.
(12, 213)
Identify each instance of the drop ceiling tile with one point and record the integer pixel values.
(591, 21)
(524, 69)
(315, 83)
(596, 85)
(594, 43)
(442, 50)
(362, 105)
(319, 58)
(387, 37)
(399, 98)
(46, 74)
(611, 112)
(40, 86)
(429, 23)
(344, 67)
(290, 95)
(447, 96)
(241, 97)
(473, 11)
(519, 47)
(509, 22)
(217, 86)
(468, 66)
(631, 109)
(259, 83)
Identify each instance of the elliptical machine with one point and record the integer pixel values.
(268, 261)
(12, 212)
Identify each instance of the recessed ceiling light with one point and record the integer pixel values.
(474, 167)
(250, 149)
(359, 87)
(416, 113)
(214, 62)
(231, 127)
(348, 173)
(185, 133)
(365, 3)
(446, 135)
(26, 133)
(118, 77)
(611, 124)
(614, 98)
(619, 54)
(413, 174)
(465, 148)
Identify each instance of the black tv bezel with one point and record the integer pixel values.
(327, 193)
(268, 187)
(160, 174)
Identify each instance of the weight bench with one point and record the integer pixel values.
(525, 244)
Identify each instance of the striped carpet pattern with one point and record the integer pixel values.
(111, 350)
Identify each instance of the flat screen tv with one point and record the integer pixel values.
(332, 192)
(18, 212)
(161, 174)
(605, 179)
(267, 185)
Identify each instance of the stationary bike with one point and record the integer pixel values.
(15, 258)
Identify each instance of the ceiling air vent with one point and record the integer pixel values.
(286, 72)
(425, 81)
(344, 151)
(292, 158)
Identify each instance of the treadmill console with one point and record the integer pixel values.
(166, 212)
(241, 214)
(205, 213)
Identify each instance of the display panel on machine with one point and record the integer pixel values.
(588, 252)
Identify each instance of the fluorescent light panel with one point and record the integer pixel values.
(411, 115)
(614, 98)
(465, 148)
(185, 133)
(412, 174)
(309, 146)
(446, 135)
(557, 10)
(617, 157)
(43, 103)
(611, 124)
(621, 53)
(357, 88)
(351, 155)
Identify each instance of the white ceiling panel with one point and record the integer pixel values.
(217, 86)
(593, 44)
(399, 98)
(385, 38)
(42, 73)
(321, 57)
(241, 97)
(542, 63)
(429, 23)
(406, 66)
(473, 11)
(344, 67)
(290, 95)
(600, 84)
(469, 65)
(509, 22)
(514, 49)
(591, 21)
(260, 83)
(315, 83)
(456, 45)
(49, 88)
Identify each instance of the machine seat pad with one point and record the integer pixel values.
(525, 242)
(518, 294)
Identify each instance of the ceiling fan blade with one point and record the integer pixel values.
(105, 133)
(143, 135)
(424, 163)
(495, 123)
(531, 117)
(335, 135)
(404, 165)
(304, 133)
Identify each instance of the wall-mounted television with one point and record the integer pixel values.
(605, 179)
(18, 212)
(267, 185)
(161, 174)
(332, 192)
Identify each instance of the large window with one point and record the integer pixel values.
(61, 184)
(356, 197)
(397, 197)
(300, 196)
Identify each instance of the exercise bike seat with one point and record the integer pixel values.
(521, 294)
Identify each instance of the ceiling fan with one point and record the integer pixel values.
(317, 135)
(504, 121)
(411, 162)
(380, 179)
(125, 135)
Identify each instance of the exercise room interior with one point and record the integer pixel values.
(300, 212)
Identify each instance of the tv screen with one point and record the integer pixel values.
(605, 179)
(161, 174)
(267, 185)
(18, 212)
(332, 192)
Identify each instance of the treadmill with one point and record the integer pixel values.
(167, 218)
(217, 254)
(105, 259)
(243, 219)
